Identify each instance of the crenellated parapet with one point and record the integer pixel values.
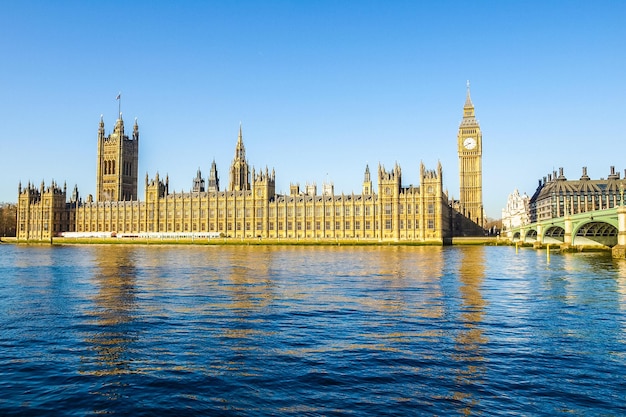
(394, 174)
(41, 211)
(156, 189)
(248, 208)
(264, 183)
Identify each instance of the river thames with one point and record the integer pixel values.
(293, 331)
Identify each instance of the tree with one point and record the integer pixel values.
(8, 219)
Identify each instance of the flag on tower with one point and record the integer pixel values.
(119, 96)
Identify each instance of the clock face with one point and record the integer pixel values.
(469, 143)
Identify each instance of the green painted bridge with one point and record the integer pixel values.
(601, 228)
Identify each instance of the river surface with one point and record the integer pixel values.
(310, 331)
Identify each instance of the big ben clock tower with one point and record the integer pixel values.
(470, 147)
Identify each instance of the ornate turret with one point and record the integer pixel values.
(389, 182)
(239, 174)
(198, 183)
(101, 128)
(214, 181)
(119, 126)
(75, 195)
(156, 189)
(367, 181)
(136, 130)
(240, 150)
(264, 183)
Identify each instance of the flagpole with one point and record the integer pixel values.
(119, 105)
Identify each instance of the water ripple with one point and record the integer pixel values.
(159, 330)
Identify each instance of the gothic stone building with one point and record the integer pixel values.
(248, 208)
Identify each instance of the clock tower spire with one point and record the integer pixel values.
(470, 148)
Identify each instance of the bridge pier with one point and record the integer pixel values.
(567, 236)
(585, 230)
(538, 244)
(619, 251)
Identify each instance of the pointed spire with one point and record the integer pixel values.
(468, 99)
(240, 150)
(101, 128)
(214, 182)
(136, 130)
(119, 104)
(468, 109)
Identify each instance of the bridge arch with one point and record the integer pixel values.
(554, 234)
(531, 236)
(595, 233)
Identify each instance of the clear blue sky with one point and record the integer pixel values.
(322, 88)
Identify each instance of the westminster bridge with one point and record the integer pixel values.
(600, 228)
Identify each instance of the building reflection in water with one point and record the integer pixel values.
(621, 291)
(470, 339)
(110, 332)
(621, 283)
(249, 290)
(248, 284)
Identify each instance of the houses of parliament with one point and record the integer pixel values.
(249, 206)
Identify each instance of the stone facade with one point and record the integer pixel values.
(517, 211)
(470, 150)
(118, 156)
(557, 196)
(249, 208)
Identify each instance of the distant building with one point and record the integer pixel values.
(250, 206)
(557, 196)
(517, 211)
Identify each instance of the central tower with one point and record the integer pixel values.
(118, 156)
(470, 148)
(239, 174)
